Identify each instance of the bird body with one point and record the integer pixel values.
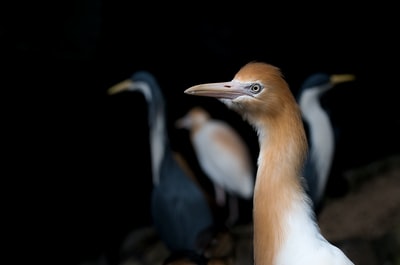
(221, 152)
(223, 155)
(321, 136)
(179, 208)
(285, 229)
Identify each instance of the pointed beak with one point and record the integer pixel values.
(224, 90)
(336, 79)
(120, 87)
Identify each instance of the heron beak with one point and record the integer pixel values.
(224, 90)
(336, 79)
(120, 87)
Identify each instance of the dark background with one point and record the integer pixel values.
(79, 158)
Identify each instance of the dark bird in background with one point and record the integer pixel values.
(285, 228)
(223, 156)
(180, 210)
(321, 135)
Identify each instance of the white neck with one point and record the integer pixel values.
(321, 136)
(157, 145)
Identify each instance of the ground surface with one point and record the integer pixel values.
(365, 223)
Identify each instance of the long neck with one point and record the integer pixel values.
(322, 145)
(278, 187)
(158, 137)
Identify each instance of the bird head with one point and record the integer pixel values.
(323, 81)
(193, 119)
(140, 81)
(145, 83)
(256, 89)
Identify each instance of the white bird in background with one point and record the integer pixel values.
(321, 137)
(285, 228)
(223, 156)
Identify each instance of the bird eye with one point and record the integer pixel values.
(255, 88)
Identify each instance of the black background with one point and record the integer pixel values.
(79, 158)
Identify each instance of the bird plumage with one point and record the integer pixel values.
(285, 229)
(321, 136)
(179, 208)
(224, 157)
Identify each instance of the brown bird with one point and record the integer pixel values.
(285, 228)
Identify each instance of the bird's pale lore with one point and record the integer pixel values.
(285, 229)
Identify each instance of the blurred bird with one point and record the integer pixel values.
(285, 229)
(321, 136)
(223, 156)
(179, 208)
